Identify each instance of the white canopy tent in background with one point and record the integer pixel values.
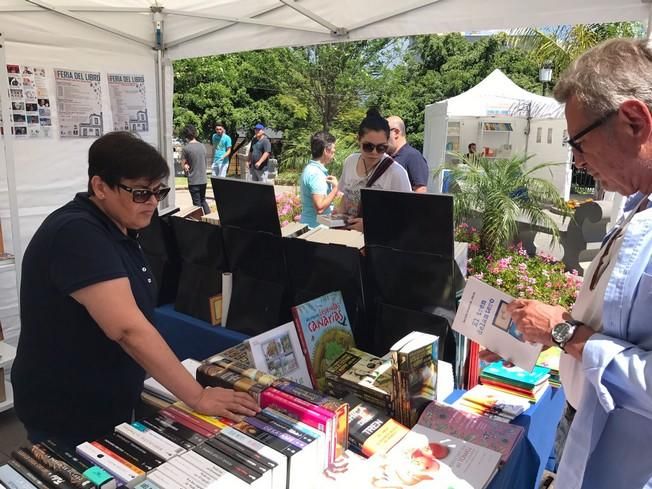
(142, 36)
(498, 99)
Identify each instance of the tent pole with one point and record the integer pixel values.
(10, 161)
(649, 20)
(160, 80)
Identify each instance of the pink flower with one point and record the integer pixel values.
(548, 285)
(529, 290)
(479, 276)
(499, 281)
(297, 218)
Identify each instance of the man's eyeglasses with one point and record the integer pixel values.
(369, 147)
(574, 141)
(142, 195)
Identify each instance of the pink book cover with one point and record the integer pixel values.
(480, 430)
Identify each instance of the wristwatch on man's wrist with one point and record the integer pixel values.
(563, 332)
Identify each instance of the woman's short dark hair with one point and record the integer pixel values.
(373, 122)
(121, 154)
(319, 142)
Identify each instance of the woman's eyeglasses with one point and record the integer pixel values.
(142, 195)
(369, 147)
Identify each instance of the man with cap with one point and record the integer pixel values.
(261, 148)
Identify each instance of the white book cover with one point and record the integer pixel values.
(278, 352)
(428, 459)
(154, 386)
(482, 316)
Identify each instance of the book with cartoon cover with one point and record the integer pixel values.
(325, 333)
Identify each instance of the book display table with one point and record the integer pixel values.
(193, 338)
(525, 467)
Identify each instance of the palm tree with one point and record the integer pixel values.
(560, 45)
(500, 192)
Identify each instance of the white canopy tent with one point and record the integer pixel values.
(142, 36)
(498, 103)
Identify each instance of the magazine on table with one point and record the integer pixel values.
(482, 316)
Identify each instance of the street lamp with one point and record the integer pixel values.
(545, 75)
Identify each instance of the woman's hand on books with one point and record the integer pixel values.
(535, 319)
(216, 401)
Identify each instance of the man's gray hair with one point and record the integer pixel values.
(609, 74)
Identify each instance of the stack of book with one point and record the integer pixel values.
(549, 358)
(414, 375)
(516, 381)
(492, 403)
(362, 374)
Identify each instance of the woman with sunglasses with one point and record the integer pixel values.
(372, 167)
(87, 307)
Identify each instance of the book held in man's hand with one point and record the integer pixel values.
(482, 316)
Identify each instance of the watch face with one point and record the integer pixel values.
(560, 332)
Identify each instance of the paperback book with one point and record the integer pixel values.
(482, 316)
(325, 333)
(279, 353)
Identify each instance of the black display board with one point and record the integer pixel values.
(246, 205)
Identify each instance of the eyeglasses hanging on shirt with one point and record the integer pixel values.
(616, 233)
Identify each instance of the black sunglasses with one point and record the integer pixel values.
(575, 144)
(369, 147)
(142, 195)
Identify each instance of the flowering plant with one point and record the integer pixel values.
(288, 206)
(541, 277)
(468, 234)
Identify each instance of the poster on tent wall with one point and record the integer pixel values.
(128, 103)
(30, 101)
(79, 103)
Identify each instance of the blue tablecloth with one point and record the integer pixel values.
(525, 467)
(192, 338)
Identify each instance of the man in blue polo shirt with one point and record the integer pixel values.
(318, 189)
(408, 157)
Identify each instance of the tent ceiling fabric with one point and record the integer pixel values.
(197, 28)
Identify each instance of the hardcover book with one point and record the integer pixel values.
(482, 316)
(480, 430)
(325, 333)
(488, 401)
(516, 376)
(279, 353)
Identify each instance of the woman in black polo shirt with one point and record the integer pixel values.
(87, 302)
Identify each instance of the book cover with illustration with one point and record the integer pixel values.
(488, 433)
(425, 458)
(482, 317)
(515, 376)
(279, 353)
(325, 333)
(360, 372)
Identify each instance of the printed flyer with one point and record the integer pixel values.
(79, 103)
(30, 101)
(128, 102)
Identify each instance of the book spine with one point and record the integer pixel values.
(26, 474)
(63, 469)
(120, 471)
(183, 480)
(304, 346)
(203, 464)
(265, 438)
(149, 440)
(162, 481)
(253, 446)
(237, 455)
(227, 463)
(147, 484)
(110, 453)
(169, 434)
(283, 426)
(283, 435)
(210, 420)
(167, 424)
(41, 471)
(97, 475)
(193, 472)
(14, 479)
(143, 461)
(189, 422)
(264, 463)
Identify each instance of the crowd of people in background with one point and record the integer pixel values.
(385, 160)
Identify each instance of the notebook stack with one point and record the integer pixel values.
(516, 381)
(492, 403)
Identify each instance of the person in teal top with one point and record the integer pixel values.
(318, 188)
(222, 150)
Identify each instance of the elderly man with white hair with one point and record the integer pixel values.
(606, 367)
